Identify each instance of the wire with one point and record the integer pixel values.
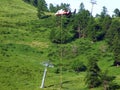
(61, 55)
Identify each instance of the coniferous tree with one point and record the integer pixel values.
(93, 73)
(113, 32)
(52, 8)
(81, 21)
(116, 50)
(65, 6)
(89, 27)
(117, 12)
(82, 7)
(59, 36)
(35, 3)
(63, 32)
(104, 20)
(104, 12)
(105, 24)
(94, 30)
(42, 7)
(113, 37)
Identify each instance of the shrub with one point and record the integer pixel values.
(57, 71)
(78, 66)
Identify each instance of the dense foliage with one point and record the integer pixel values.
(93, 73)
(54, 9)
(30, 34)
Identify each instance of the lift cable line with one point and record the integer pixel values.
(61, 55)
(93, 2)
(46, 64)
(61, 13)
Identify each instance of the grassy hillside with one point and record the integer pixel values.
(21, 46)
(24, 45)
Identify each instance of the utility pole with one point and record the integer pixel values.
(46, 64)
(43, 80)
(93, 2)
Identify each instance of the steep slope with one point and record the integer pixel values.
(12, 9)
(14, 17)
(24, 45)
(21, 46)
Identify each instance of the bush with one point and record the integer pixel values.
(78, 66)
(57, 70)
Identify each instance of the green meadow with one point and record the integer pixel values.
(25, 45)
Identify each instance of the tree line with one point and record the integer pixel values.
(43, 7)
(82, 24)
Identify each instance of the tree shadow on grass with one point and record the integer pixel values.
(58, 84)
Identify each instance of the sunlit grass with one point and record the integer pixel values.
(24, 44)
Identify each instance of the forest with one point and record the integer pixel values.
(84, 49)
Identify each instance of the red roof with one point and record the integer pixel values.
(62, 12)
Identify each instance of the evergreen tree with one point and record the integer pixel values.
(104, 12)
(35, 3)
(94, 30)
(82, 7)
(93, 73)
(63, 32)
(117, 12)
(59, 36)
(42, 6)
(65, 6)
(113, 32)
(116, 49)
(103, 17)
(52, 8)
(105, 24)
(113, 37)
(81, 21)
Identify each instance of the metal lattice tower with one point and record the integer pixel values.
(46, 64)
(93, 2)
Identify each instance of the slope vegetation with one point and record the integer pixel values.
(25, 44)
(21, 46)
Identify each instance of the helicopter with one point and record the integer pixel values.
(62, 12)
